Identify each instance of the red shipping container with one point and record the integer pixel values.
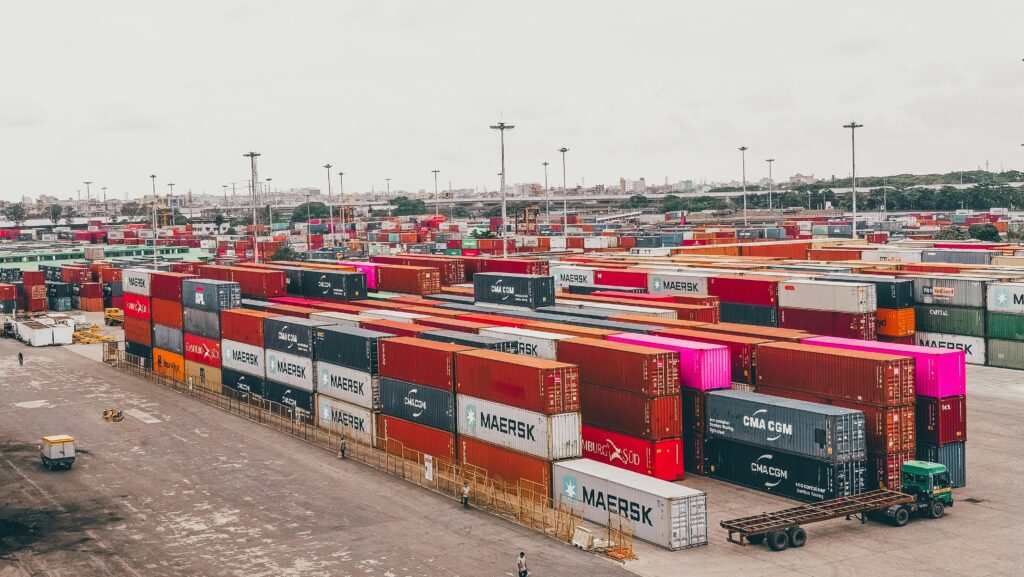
(449, 324)
(202, 350)
(91, 290)
(138, 331)
(941, 421)
(8, 292)
(243, 326)
(506, 465)
(640, 369)
(167, 285)
(832, 324)
(652, 418)
(38, 305)
(34, 277)
(768, 333)
(528, 383)
(259, 283)
(870, 378)
(641, 298)
(742, 350)
(111, 274)
(167, 313)
(622, 278)
(419, 361)
(658, 459)
(137, 306)
(394, 327)
(415, 280)
(319, 305)
(884, 470)
(215, 272)
(494, 320)
(412, 440)
(290, 310)
(759, 290)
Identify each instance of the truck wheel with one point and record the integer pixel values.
(937, 509)
(755, 539)
(901, 517)
(778, 540)
(797, 537)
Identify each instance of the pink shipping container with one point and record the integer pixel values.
(367, 268)
(659, 459)
(702, 366)
(938, 372)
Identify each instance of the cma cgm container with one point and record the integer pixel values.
(293, 335)
(331, 284)
(665, 514)
(242, 382)
(350, 347)
(873, 378)
(772, 471)
(973, 347)
(506, 465)
(210, 295)
(356, 387)
(550, 437)
(631, 367)
(533, 384)
(702, 366)
(846, 325)
(809, 429)
(531, 343)
(514, 289)
(413, 441)
(828, 296)
(418, 403)
(742, 350)
(348, 420)
(941, 421)
(419, 361)
(644, 416)
(659, 459)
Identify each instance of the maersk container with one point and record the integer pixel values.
(514, 289)
(292, 370)
(794, 476)
(243, 357)
(550, 437)
(973, 347)
(1005, 354)
(350, 347)
(538, 344)
(505, 345)
(572, 275)
(952, 455)
(211, 295)
(333, 284)
(659, 459)
(702, 366)
(242, 382)
(828, 296)
(890, 292)
(643, 416)
(136, 281)
(950, 320)
(416, 403)
(746, 314)
(346, 419)
(1006, 297)
(809, 429)
(941, 421)
(168, 339)
(950, 290)
(678, 283)
(350, 385)
(293, 335)
(1009, 327)
(665, 514)
(624, 365)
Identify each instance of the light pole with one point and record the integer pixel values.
(330, 200)
(743, 155)
(252, 156)
(853, 126)
(270, 207)
(437, 199)
(105, 209)
(501, 127)
(341, 191)
(565, 199)
(225, 187)
(547, 191)
(770, 161)
(152, 178)
(387, 195)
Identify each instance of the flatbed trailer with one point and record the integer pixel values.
(784, 528)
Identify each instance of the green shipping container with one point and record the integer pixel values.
(469, 243)
(950, 320)
(1005, 326)
(1006, 354)
(453, 251)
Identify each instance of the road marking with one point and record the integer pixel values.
(142, 416)
(33, 404)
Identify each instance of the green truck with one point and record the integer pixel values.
(929, 484)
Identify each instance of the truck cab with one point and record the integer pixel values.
(929, 484)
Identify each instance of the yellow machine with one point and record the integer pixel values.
(113, 317)
(113, 415)
(526, 219)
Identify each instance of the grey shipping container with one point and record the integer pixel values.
(419, 404)
(337, 285)
(957, 256)
(967, 321)
(254, 304)
(585, 289)
(471, 340)
(952, 455)
(168, 339)
(809, 429)
(596, 323)
(523, 290)
(347, 346)
(201, 322)
(950, 291)
(748, 314)
(1005, 354)
(572, 311)
(292, 335)
(211, 295)
(891, 293)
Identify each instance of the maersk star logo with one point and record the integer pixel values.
(1001, 298)
(570, 488)
(323, 376)
(325, 412)
(470, 416)
(657, 284)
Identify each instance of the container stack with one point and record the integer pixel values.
(138, 317)
(202, 302)
(243, 356)
(895, 313)
(828, 308)
(1005, 322)
(879, 385)
(290, 378)
(747, 300)
(113, 290)
(167, 316)
(629, 394)
(801, 450)
(950, 314)
(34, 291)
(58, 296)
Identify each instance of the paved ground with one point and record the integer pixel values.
(180, 488)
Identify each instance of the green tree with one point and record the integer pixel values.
(16, 213)
(986, 232)
(179, 218)
(953, 233)
(309, 210)
(231, 231)
(460, 212)
(404, 206)
(70, 214)
(284, 252)
(480, 233)
(636, 201)
(54, 213)
(132, 208)
(218, 220)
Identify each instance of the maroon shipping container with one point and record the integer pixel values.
(828, 323)
(760, 290)
(291, 310)
(659, 459)
(640, 369)
(506, 465)
(394, 327)
(621, 278)
(91, 290)
(412, 440)
(452, 270)
(507, 265)
(215, 272)
(883, 471)
(243, 326)
(533, 384)
(941, 421)
(419, 361)
(871, 378)
(415, 280)
(167, 285)
(451, 324)
(886, 429)
(652, 418)
(33, 277)
(259, 283)
(742, 350)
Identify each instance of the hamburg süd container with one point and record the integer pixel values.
(242, 382)
(810, 429)
(348, 420)
(202, 350)
(506, 465)
(419, 361)
(293, 335)
(952, 455)
(550, 437)
(662, 513)
(635, 414)
(624, 365)
(295, 371)
(137, 306)
(533, 384)
(531, 343)
(973, 347)
(417, 403)
(824, 295)
(413, 441)
(350, 385)
(794, 476)
(742, 350)
(847, 325)
(659, 459)
(243, 357)
(702, 366)
(514, 289)
(950, 320)
(211, 295)
(941, 421)
(350, 347)
(333, 284)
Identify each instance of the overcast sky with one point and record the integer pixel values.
(113, 91)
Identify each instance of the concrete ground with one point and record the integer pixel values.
(180, 488)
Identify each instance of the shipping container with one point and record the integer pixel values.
(746, 314)
(350, 347)
(168, 338)
(1006, 297)
(635, 414)
(941, 421)
(952, 455)
(242, 382)
(771, 471)
(761, 291)
(295, 371)
(533, 384)
(331, 284)
(884, 470)
(291, 335)
(346, 419)
(167, 285)
(415, 280)
(662, 513)
(136, 281)
(641, 369)
(350, 385)
(413, 441)
(531, 343)
(417, 403)
(260, 283)
(243, 357)
(471, 340)
(828, 296)
(202, 376)
(895, 322)
(139, 353)
(1005, 354)
(169, 364)
(138, 307)
(973, 347)
(514, 289)
(506, 465)
(949, 320)
(701, 365)
(890, 292)
(572, 275)
(550, 437)
(201, 322)
(742, 350)
(846, 325)
(202, 350)
(244, 326)
(167, 313)
(210, 295)
(1004, 326)
(300, 400)
(337, 318)
(659, 459)
(682, 283)
(419, 361)
(139, 331)
(950, 291)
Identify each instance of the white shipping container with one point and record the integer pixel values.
(572, 275)
(336, 318)
(557, 243)
(595, 242)
(391, 315)
(550, 437)
(63, 334)
(136, 281)
(291, 370)
(678, 283)
(35, 334)
(1006, 297)
(629, 309)
(243, 357)
(828, 296)
(973, 347)
(651, 251)
(349, 385)
(665, 514)
(529, 343)
(345, 418)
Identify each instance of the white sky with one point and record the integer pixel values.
(113, 91)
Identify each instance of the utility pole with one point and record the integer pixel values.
(105, 209)
(743, 155)
(341, 191)
(387, 195)
(501, 127)
(565, 199)
(853, 126)
(885, 192)
(547, 191)
(330, 200)
(169, 197)
(87, 183)
(270, 207)
(437, 199)
(770, 161)
(252, 156)
(152, 178)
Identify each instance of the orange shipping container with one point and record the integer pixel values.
(169, 364)
(895, 322)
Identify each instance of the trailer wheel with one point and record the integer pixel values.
(797, 537)
(900, 517)
(937, 509)
(755, 539)
(778, 540)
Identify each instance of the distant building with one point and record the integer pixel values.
(632, 186)
(802, 179)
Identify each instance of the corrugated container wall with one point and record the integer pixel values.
(550, 437)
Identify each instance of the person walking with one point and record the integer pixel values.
(521, 564)
(465, 494)
(342, 447)
(21, 359)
